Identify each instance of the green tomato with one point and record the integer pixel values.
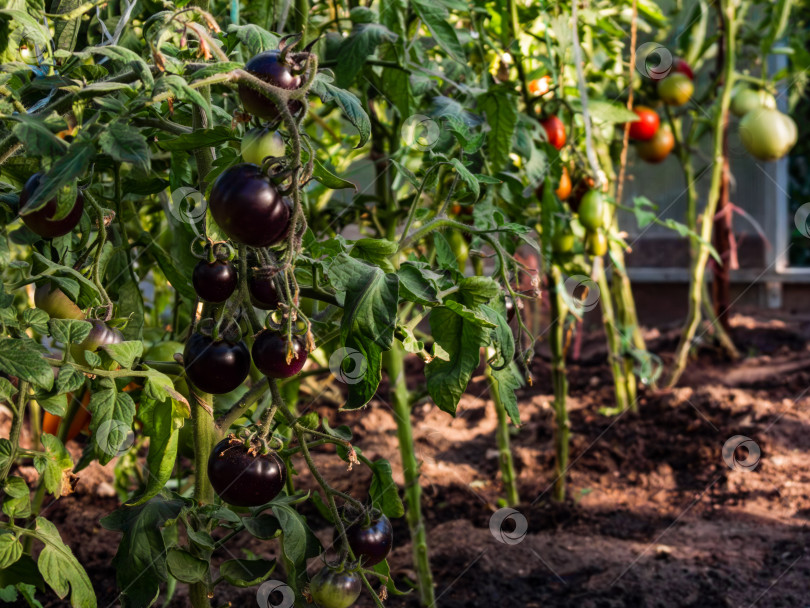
(676, 89)
(460, 248)
(592, 210)
(163, 351)
(596, 243)
(746, 99)
(55, 302)
(259, 143)
(767, 134)
(562, 241)
(333, 589)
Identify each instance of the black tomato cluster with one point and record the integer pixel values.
(41, 221)
(214, 281)
(270, 354)
(244, 479)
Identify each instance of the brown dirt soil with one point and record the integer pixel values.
(655, 517)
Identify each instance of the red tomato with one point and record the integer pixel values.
(555, 131)
(647, 124)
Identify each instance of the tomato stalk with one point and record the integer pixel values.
(559, 380)
(612, 334)
(508, 476)
(393, 362)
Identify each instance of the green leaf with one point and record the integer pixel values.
(247, 572)
(36, 319)
(60, 568)
(610, 112)
(124, 353)
(55, 466)
(347, 102)
(505, 382)
(111, 423)
(445, 257)
(34, 31)
(5, 452)
(254, 38)
(164, 433)
(199, 139)
(64, 172)
(264, 526)
(37, 138)
(376, 252)
(69, 331)
(23, 358)
(467, 177)
(436, 19)
(140, 562)
(469, 314)
(418, 284)
(383, 491)
(126, 144)
(215, 68)
(357, 48)
(299, 542)
(10, 549)
(78, 287)
(179, 87)
(185, 567)
(329, 179)
(499, 104)
(126, 56)
(461, 339)
(17, 501)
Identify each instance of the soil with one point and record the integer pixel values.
(654, 517)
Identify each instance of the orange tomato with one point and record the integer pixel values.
(540, 86)
(563, 191)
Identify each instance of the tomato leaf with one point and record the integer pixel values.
(126, 144)
(123, 353)
(435, 18)
(60, 568)
(247, 572)
(499, 104)
(69, 331)
(37, 137)
(55, 466)
(383, 491)
(264, 526)
(163, 431)
(185, 567)
(111, 423)
(23, 358)
(357, 48)
(199, 139)
(10, 549)
(17, 502)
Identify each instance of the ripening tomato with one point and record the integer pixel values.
(81, 420)
(658, 148)
(41, 221)
(555, 131)
(647, 124)
(596, 243)
(680, 66)
(676, 89)
(563, 191)
(540, 86)
(55, 302)
(767, 134)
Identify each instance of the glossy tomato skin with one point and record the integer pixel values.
(370, 544)
(242, 479)
(333, 589)
(745, 100)
(215, 367)
(101, 335)
(40, 220)
(248, 207)
(259, 143)
(267, 66)
(214, 282)
(676, 89)
(767, 134)
(55, 302)
(270, 354)
(563, 191)
(592, 210)
(509, 306)
(555, 131)
(647, 124)
(658, 148)
(263, 292)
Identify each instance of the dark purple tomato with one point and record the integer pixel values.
(267, 66)
(243, 479)
(333, 589)
(215, 366)
(214, 282)
(248, 207)
(263, 292)
(40, 220)
(270, 354)
(371, 543)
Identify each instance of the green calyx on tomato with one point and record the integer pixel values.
(592, 210)
(676, 89)
(260, 143)
(768, 134)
